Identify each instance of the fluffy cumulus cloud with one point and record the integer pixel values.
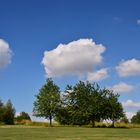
(76, 57)
(122, 88)
(98, 75)
(5, 54)
(131, 104)
(129, 68)
(138, 21)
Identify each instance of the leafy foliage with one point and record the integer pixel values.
(124, 119)
(81, 104)
(47, 101)
(85, 102)
(22, 116)
(136, 118)
(1, 111)
(112, 108)
(7, 113)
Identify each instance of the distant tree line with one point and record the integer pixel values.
(136, 118)
(7, 113)
(22, 118)
(81, 104)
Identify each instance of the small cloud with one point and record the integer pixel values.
(122, 88)
(5, 54)
(128, 68)
(129, 115)
(138, 21)
(98, 75)
(76, 58)
(131, 104)
(17, 114)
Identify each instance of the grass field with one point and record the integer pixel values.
(69, 133)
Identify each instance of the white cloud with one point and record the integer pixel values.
(76, 57)
(98, 75)
(129, 115)
(129, 68)
(122, 88)
(138, 21)
(5, 54)
(131, 104)
(17, 114)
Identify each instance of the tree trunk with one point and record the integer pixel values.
(50, 120)
(113, 124)
(93, 123)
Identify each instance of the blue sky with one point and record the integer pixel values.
(31, 27)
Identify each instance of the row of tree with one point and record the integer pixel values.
(23, 116)
(81, 104)
(136, 118)
(7, 113)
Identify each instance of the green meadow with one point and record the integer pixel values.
(68, 133)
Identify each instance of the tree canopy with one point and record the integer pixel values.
(113, 109)
(7, 112)
(85, 102)
(136, 118)
(22, 116)
(47, 101)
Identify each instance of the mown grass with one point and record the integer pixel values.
(68, 133)
(97, 124)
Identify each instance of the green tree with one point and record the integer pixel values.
(136, 118)
(113, 108)
(23, 116)
(1, 103)
(1, 111)
(124, 119)
(47, 101)
(9, 113)
(84, 102)
(96, 104)
(63, 116)
(74, 102)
